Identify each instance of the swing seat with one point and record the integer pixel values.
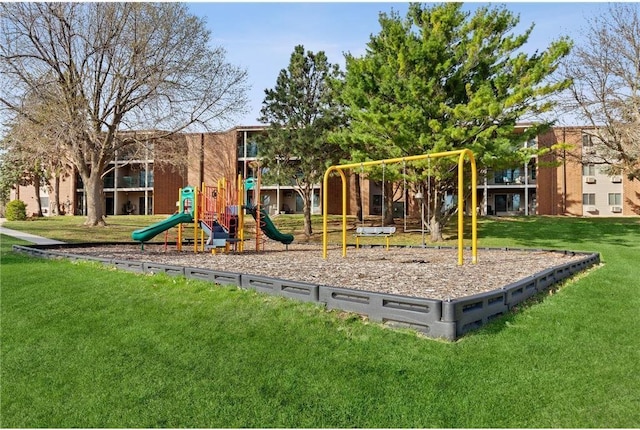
(385, 232)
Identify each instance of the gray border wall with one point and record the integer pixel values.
(448, 319)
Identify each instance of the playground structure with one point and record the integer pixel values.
(461, 154)
(217, 213)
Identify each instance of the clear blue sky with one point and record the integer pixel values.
(261, 36)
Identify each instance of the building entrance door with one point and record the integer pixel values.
(507, 203)
(142, 206)
(108, 206)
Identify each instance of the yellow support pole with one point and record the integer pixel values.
(325, 187)
(240, 214)
(195, 221)
(202, 209)
(344, 213)
(180, 209)
(461, 209)
(257, 205)
(325, 213)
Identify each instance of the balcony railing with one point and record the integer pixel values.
(135, 182)
(511, 180)
(126, 182)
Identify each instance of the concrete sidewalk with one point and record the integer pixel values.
(38, 240)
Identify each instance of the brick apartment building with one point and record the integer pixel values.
(578, 185)
(562, 184)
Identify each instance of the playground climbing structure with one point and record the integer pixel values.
(217, 216)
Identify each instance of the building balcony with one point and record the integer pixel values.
(511, 181)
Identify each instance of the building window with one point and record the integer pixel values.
(533, 169)
(252, 149)
(507, 202)
(246, 145)
(615, 199)
(108, 180)
(587, 141)
(508, 176)
(240, 147)
(146, 178)
(589, 199)
(588, 170)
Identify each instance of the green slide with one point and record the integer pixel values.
(148, 233)
(268, 228)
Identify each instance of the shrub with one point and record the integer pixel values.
(16, 210)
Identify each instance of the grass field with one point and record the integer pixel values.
(119, 228)
(85, 346)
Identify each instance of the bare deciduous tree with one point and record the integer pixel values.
(36, 136)
(19, 167)
(605, 69)
(113, 69)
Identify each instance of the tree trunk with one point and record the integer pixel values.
(435, 228)
(54, 197)
(388, 204)
(95, 207)
(435, 225)
(306, 199)
(36, 185)
(358, 190)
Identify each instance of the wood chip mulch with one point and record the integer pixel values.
(414, 272)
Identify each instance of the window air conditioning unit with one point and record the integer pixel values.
(592, 209)
(590, 180)
(616, 209)
(616, 179)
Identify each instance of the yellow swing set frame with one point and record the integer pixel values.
(461, 154)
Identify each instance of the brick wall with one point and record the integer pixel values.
(212, 156)
(549, 201)
(630, 197)
(220, 157)
(167, 182)
(28, 195)
(334, 196)
(559, 178)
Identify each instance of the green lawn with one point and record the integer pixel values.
(71, 228)
(120, 227)
(85, 346)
